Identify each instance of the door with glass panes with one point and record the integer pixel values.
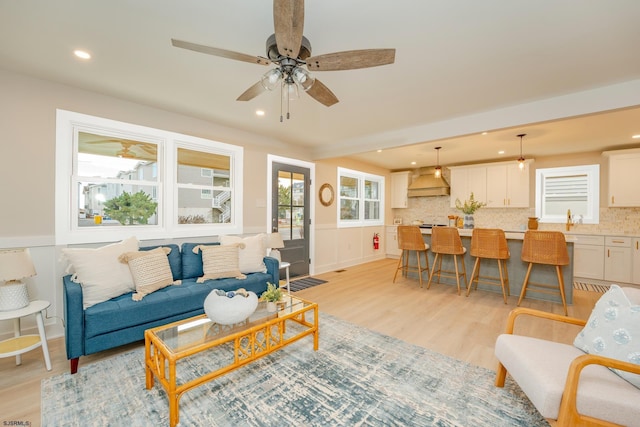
(290, 216)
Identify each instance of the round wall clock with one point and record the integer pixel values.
(326, 194)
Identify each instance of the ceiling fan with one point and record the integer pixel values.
(128, 149)
(291, 52)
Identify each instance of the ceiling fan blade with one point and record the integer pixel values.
(252, 92)
(322, 94)
(288, 21)
(351, 59)
(220, 52)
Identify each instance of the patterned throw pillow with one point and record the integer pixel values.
(613, 330)
(251, 254)
(150, 270)
(220, 261)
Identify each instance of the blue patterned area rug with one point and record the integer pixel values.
(357, 378)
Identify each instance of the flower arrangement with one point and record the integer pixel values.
(470, 206)
(272, 294)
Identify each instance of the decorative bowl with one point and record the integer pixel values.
(227, 310)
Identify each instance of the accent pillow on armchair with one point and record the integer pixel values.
(613, 329)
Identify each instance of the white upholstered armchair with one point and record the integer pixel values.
(574, 384)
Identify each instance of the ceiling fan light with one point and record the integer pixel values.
(290, 91)
(303, 78)
(271, 78)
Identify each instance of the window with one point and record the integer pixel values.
(575, 188)
(360, 199)
(115, 180)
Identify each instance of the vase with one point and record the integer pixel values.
(533, 223)
(468, 221)
(271, 306)
(227, 311)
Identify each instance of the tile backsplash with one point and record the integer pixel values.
(436, 209)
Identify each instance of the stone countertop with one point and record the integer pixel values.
(509, 234)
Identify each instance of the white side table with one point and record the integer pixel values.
(286, 265)
(23, 343)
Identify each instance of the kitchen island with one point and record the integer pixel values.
(516, 267)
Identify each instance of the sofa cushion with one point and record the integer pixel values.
(540, 368)
(99, 271)
(252, 254)
(192, 262)
(122, 312)
(174, 257)
(613, 330)
(150, 270)
(219, 262)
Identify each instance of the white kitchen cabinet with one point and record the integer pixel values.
(624, 175)
(391, 243)
(499, 185)
(399, 184)
(466, 180)
(635, 260)
(617, 261)
(588, 257)
(507, 186)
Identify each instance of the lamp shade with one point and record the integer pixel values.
(16, 264)
(275, 241)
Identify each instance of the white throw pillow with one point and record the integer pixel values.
(99, 271)
(252, 255)
(150, 270)
(613, 330)
(219, 262)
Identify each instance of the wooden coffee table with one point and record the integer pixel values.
(263, 333)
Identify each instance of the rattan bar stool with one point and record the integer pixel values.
(410, 239)
(490, 243)
(446, 241)
(545, 247)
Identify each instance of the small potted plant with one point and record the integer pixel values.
(468, 208)
(272, 295)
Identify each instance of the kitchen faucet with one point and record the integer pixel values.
(570, 222)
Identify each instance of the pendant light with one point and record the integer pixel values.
(438, 172)
(521, 159)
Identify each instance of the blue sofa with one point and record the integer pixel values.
(121, 320)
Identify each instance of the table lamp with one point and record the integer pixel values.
(15, 265)
(275, 243)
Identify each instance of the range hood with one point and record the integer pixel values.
(427, 184)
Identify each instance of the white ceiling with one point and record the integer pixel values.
(462, 66)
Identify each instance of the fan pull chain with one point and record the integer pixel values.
(288, 116)
(281, 86)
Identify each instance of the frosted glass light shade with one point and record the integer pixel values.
(271, 78)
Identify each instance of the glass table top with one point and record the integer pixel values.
(199, 330)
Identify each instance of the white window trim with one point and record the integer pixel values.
(361, 177)
(593, 173)
(67, 232)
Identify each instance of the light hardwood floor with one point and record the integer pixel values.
(438, 319)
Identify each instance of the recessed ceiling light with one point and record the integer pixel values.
(501, 152)
(259, 113)
(379, 151)
(82, 54)
(485, 133)
(413, 163)
(636, 136)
